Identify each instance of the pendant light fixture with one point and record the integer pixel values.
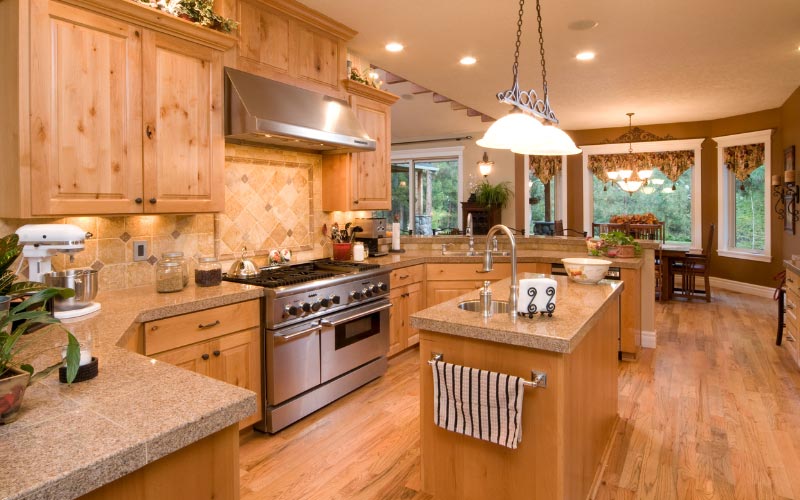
(623, 173)
(519, 131)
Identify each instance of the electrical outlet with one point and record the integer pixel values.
(139, 250)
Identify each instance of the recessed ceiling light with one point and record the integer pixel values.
(394, 47)
(468, 60)
(582, 25)
(585, 56)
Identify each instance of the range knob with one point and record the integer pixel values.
(335, 299)
(326, 302)
(306, 306)
(376, 289)
(316, 306)
(291, 311)
(355, 295)
(367, 292)
(383, 286)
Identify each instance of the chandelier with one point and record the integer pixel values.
(623, 173)
(519, 131)
(485, 166)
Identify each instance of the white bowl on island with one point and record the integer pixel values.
(585, 270)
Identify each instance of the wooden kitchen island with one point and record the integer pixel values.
(566, 426)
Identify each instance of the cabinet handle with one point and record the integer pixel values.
(208, 325)
(154, 328)
(138, 201)
(404, 276)
(355, 202)
(152, 201)
(216, 353)
(790, 280)
(789, 306)
(149, 132)
(205, 357)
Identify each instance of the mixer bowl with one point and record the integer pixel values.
(83, 281)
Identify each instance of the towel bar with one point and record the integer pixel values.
(538, 379)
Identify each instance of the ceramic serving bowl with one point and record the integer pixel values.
(583, 270)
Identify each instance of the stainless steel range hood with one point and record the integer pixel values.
(258, 110)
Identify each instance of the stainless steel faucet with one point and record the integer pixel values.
(468, 230)
(488, 265)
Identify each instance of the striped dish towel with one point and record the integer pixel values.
(478, 403)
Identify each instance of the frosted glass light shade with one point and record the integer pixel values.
(630, 186)
(510, 131)
(625, 174)
(612, 174)
(657, 182)
(548, 141)
(645, 174)
(648, 190)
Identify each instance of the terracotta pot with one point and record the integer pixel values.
(621, 251)
(12, 388)
(342, 251)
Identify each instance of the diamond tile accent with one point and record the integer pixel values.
(97, 265)
(152, 260)
(267, 207)
(289, 232)
(125, 236)
(175, 234)
(245, 179)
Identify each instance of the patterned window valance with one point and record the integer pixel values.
(545, 167)
(671, 163)
(742, 160)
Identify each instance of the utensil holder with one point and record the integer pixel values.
(342, 251)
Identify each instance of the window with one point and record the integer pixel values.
(426, 189)
(743, 162)
(680, 209)
(669, 202)
(545, 201)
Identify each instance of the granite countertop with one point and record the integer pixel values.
(69, 440)
(577, 308)
(794, 266)
(412, 257)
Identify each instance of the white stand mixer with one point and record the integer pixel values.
(41, 242)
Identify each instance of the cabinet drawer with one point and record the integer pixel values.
(792, 309)
(450, 272)
(177, 331)
(792, 282)
(406, 275)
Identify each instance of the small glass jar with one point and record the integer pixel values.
(207, 272)
(179, 258)
(169, 276)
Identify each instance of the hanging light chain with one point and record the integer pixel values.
(541, 47)
(519, 39)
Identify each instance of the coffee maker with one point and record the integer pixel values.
(372, 229)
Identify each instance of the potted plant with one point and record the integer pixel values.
(619, 244)
(493, 195)
(18, 319)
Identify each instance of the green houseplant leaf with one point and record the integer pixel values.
(493, 195)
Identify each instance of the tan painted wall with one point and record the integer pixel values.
(790, 119)
(758, 273)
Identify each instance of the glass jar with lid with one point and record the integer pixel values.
(207, 272)
(169, 276)
(179, 258)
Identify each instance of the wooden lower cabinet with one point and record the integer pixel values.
(630, 332)
(448, 281)
(791, 316)
(208, 468)
(407, 297)
(227, 348)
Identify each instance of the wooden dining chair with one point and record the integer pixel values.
(654, 232)
(599, 228)
(693, 266)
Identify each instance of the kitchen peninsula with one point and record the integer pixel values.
(566, 425)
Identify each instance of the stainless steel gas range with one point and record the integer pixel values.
(326, 333)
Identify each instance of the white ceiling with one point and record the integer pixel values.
(667, 61)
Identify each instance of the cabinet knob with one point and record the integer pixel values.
(149, 131)
(205, 356)
(138, 201)
(355, 202)
(152, 201)
(216, 353)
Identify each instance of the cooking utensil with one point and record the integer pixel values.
(83, 281)
(242, 267)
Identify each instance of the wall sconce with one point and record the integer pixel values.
(485, 166)
(788, 193)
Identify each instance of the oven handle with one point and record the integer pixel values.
(327, 322)
(288, 338)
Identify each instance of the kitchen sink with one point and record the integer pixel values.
(498, 306)
(473, 253)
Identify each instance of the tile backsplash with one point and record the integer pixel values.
(273, 199)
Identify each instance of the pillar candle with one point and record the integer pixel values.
(776, 180)
(395, 236)
(788, 177)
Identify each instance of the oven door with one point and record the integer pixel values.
(354, 337)
(292, 361)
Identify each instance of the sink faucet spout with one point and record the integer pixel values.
(488, 264)
(468, 231)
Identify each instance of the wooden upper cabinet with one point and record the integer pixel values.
(110, 105)
(366, 178)
(184, 149)
(286, 41)
(86, 142)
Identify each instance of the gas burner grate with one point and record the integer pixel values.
(284, 276)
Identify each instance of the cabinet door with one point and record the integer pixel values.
(182, 108)
(263, 40)
(372, 187)
(236, 360)
(440, 291)
(414, 303)
(398, 320)
(85, 99)
(195, 358)
(316, 56)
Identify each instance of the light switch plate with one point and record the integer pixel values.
(139, 250)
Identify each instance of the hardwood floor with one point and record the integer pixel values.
(713, 412)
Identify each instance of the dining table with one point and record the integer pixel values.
(670, 253)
